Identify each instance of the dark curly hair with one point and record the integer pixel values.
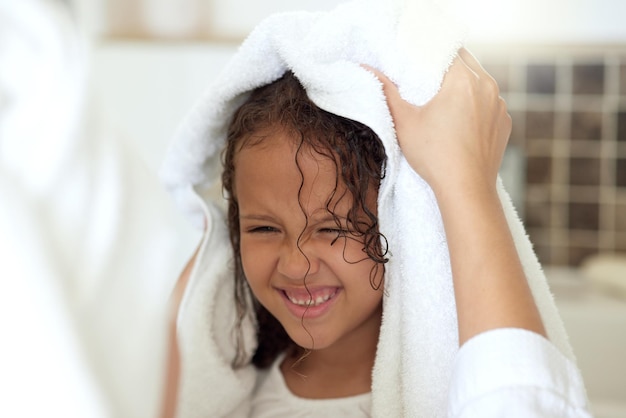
(359, 158)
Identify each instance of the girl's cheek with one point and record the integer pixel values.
(347, 250)
(256, 263)
(247, 261)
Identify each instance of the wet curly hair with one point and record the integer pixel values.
(359, 158)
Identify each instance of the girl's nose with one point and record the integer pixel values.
(297, 261)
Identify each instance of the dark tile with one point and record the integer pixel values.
(584, 239)
(588, 78)
(622, 78)
(584, 193)
(537, 214)
(538, 170)
(541, 244)
(586, 125)
(620, 243)
(538, 192)
(541, 78)
(620, 218)
(620, 172)
(544, 254)
(584, 216)
(539, 236)
(559, 255)
(587, 149)
(542, 147)
(517, 130)
(621, 126)
(584, 171)
(578, 254)
(540, 125)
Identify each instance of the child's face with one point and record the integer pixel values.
(342, 306)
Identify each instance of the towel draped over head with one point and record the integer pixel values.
(413, 42)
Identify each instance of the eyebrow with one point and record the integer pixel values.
(328, 217)
(331, 217)
(254, 217)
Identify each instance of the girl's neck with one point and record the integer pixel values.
(344, 369)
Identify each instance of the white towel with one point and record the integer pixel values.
(413, 43)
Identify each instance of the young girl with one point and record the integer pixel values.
(301, 186)
(312, 309)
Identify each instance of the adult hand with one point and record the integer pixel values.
(456, 142)
(458, 138)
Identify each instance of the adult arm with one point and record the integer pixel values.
(456, 143)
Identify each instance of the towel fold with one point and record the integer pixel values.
(413, 43)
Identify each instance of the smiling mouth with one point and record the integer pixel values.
(312, 298)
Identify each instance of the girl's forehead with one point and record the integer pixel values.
(278, 135)
(278, 168)
(279, 160)
(294, 147)
(282, 152)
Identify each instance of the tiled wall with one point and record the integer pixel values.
(568, 106)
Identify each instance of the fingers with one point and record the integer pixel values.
(395, 102)
(465, 68)
(471, 62)
(390, 89)
(464, 59)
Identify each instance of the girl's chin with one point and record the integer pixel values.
(308, 341)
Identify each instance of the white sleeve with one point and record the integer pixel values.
(515, 373)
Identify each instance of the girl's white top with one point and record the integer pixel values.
(505, 372)
(273, 399)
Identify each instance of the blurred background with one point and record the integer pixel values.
(560, 64)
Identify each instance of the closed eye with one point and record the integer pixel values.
(339, 231)
(334, 233)
(262, 229)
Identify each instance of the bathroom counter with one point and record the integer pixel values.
(596, 324)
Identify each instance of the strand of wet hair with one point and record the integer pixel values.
(307, 352)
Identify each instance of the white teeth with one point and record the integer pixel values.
(309, 302)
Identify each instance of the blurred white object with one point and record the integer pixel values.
(90, 243)
(42, 80)
(607, 272)
(170, 18)
(44, 369)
